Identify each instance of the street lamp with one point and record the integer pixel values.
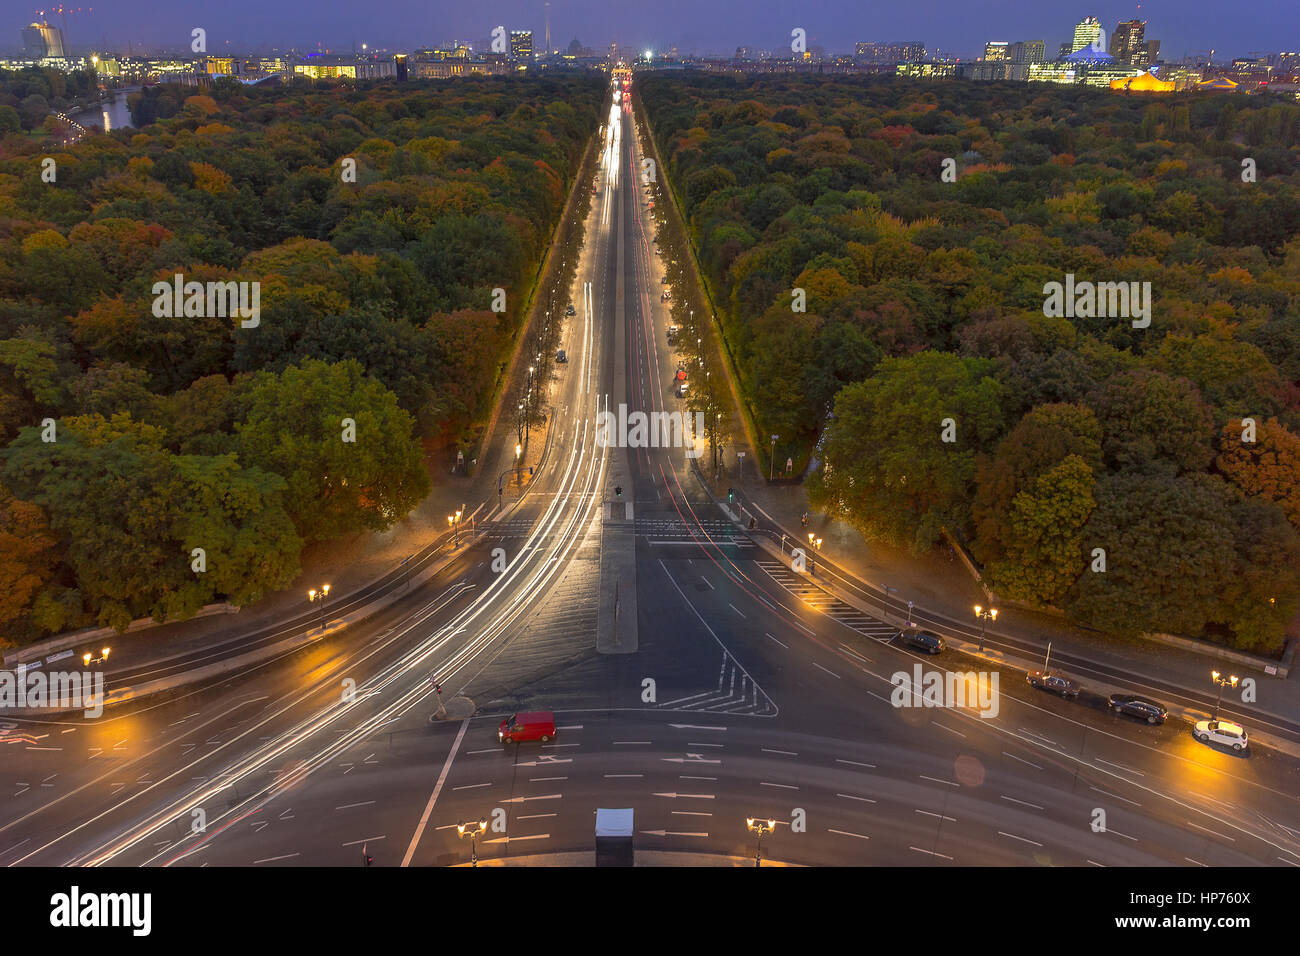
(1221, 680)
(87, 659)
(760, 827)
(454, 521)
(772, 472)
(315, 595)
(985, 614)
(519, 457)
(473, 831)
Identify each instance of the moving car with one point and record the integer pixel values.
(570, 310)
(1140, 707)
(1056, 683)
(560, 357)
(921, 640)
(536, 725)
(1221, 732)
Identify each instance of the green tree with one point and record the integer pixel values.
(293, 424)
(1044, 544)
(889, 470)
(1040, 442)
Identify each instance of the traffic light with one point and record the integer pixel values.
(618, 491)
(731, 496)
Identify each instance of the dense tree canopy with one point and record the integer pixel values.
(195, 429)
(827, 194)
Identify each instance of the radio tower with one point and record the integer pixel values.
(548, 27)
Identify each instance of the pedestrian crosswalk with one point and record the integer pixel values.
(809, 593)
(671, 529)
(736, 693)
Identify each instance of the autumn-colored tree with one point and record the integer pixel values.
(1267, 467)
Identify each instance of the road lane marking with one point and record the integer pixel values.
(939, 815)
(433, 797)
(349, 806)
(931, 852)
(783, 786)
(855, 763)
(786, 753)
(847, 833)
(1020, 838)
(1021, 759)
(1116, 796)
(471, 786)
(937, 780)
(828, 670)
(786, 646)
(272, 859)
(694, 727)
(1208, 830)
(1121, 767)
(849, 796)
(1021, 802)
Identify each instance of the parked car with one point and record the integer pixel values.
(538, 725)
(663, 280)
(665, 297)
(921, 640)
(1221, 732)
(570, 310)
(1056, 683)
(561, 358)
(681, 389)
(1140, 707)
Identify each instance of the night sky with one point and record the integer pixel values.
(719, 26)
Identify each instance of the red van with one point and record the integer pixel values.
(538, 725)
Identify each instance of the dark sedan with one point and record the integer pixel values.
(1056, 683)
(1142, 708)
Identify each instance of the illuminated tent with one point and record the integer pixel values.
(1144, 83)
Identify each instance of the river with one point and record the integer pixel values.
(112, 113)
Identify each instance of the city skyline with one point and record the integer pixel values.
(953, 29)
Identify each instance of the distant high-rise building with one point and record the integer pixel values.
(996, 50)
(1087, 32)
(521, 44)
(1027, 51)
(40, 40)
(899, 51)
(1128, 43)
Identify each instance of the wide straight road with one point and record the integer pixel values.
(743, 690)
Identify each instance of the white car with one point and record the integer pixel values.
(1221, 732)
